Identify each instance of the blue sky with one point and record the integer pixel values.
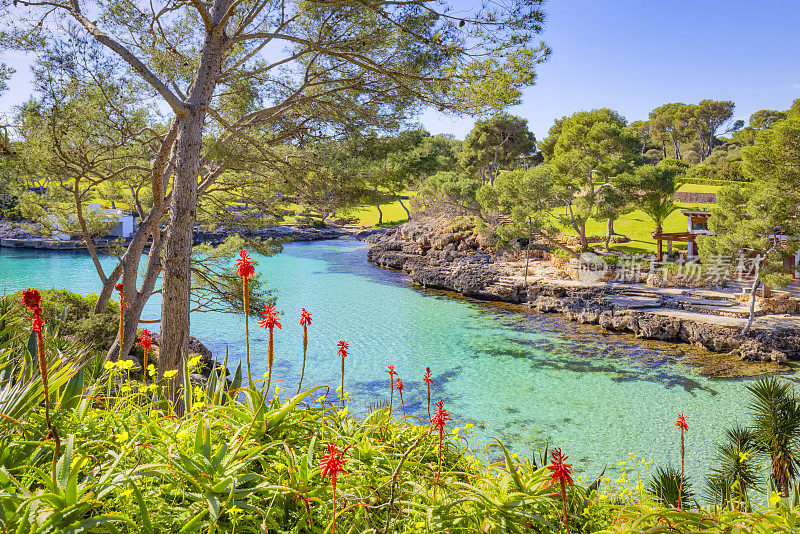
(634, 55)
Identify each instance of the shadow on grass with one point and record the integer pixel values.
(389, 224)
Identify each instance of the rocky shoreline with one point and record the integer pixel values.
(445, 257)
(14, 236)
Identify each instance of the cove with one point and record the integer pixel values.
(519, 376)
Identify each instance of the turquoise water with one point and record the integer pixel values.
(515, 375)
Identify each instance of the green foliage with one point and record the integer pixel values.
(651, 187)
(73, 316)
(451, 189)
(776, 428)
(665, 486)
(496, 143)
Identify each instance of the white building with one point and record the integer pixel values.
(123, 222)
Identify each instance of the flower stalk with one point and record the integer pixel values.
(305, 320)
(400, 391)
(146, 341)
(342, 353)
(245, 269)
(681, 423)
(331, 465)
(428, 381)
(391, 372)
(561, 475)
(32, 300)
(439, 420)
(269, 321)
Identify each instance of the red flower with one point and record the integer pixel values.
(561, 470)
(31, 298)
(244, 267)
(440, 417)
(399, 385)
(305, 318)
(343, 346)
(391, 372)
(270, 318)
(427, 378)
(331, 463)
(38, 323)
(120, 288)
(681, 423)
(145, 340)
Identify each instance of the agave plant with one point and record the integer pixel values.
(776, 428)
(665, 485)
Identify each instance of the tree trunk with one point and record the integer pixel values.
(753, 290)
(609, 232)
(175, 298)
(380, 214)
(408, 213)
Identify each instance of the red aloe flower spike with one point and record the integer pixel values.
(428, 381)
(400, 391)
(439, 420)
(305, 320)
(342, 353)
(146, 341)
(245, 269)
(681, 423)
(32, 300)
(331, 465)
(270, 321)
(561, 474)
(391, 372)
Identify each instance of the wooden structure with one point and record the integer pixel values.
(670, 237)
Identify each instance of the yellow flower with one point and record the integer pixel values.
(603, 496)
(775, 499)
(125, 389)
(151, 370)
(152, 387)
(108, 365)
(345, 411)
(235, 510)
(198, 406)
(467, 426)
(142, 389)
(194, 361)
(622, 463)
(126, 365)
(743, 457)
(122, 437)
(170, 374)
(455, 431)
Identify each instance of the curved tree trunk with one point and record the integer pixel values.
(753, 290)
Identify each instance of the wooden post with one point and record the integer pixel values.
(660, 254)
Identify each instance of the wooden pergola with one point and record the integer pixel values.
(669, 237)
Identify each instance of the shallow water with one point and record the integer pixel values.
(519, 376)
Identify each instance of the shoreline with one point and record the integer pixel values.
(287, 232)
(708, 318)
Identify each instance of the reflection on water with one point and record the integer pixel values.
(516, 375)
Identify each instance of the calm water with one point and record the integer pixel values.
(517, 376)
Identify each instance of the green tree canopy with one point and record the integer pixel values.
(496, 143)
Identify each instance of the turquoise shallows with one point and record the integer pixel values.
(522, 375)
